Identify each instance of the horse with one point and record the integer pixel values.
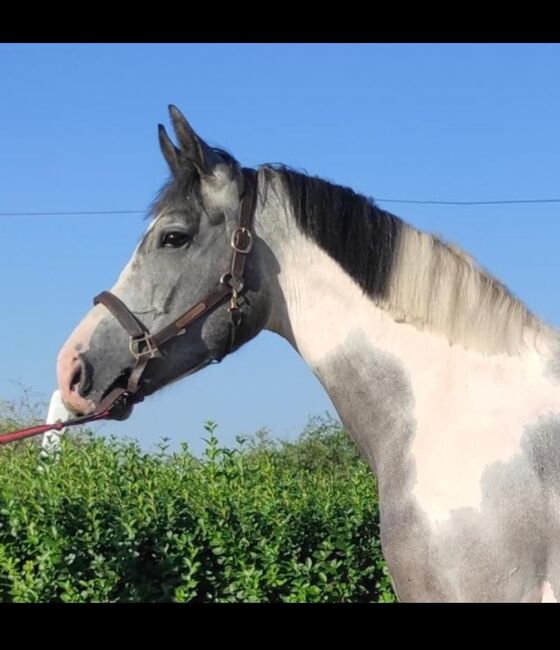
(447, 383)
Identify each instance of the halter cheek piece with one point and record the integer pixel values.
(144, 345)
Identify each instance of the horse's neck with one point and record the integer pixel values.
(384, 377)
(347, 341)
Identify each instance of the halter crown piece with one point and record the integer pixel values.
(144, 346)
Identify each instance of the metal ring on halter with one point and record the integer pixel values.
(236, 285)
(244, 250)
(151, 350)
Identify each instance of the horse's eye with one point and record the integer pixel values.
(175, 239)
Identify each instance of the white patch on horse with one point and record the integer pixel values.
(459, 394)
(457, 437)
(548, 594)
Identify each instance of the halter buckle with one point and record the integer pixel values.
(237, 244)
(151, 350)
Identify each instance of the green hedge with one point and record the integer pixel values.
(267, 521)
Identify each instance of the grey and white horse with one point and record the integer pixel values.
(449, 386)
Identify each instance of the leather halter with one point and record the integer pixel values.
(144, 345)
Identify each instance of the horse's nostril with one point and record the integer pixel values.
(82, 377)
(76, 378)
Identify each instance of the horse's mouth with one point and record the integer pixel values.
(123, 406)
(121, 411)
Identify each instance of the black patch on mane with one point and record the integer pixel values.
(349, 227)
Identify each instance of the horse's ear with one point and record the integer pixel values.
(192, 146)
(168, 149)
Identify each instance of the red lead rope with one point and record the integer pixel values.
(43, 428)
(103, 412)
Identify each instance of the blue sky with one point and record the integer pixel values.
(433, 121)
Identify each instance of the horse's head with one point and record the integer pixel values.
(181, 260)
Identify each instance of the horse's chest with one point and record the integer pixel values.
(467, 447)
(476, 516)
(467, 456)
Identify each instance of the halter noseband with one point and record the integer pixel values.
(144, 345)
